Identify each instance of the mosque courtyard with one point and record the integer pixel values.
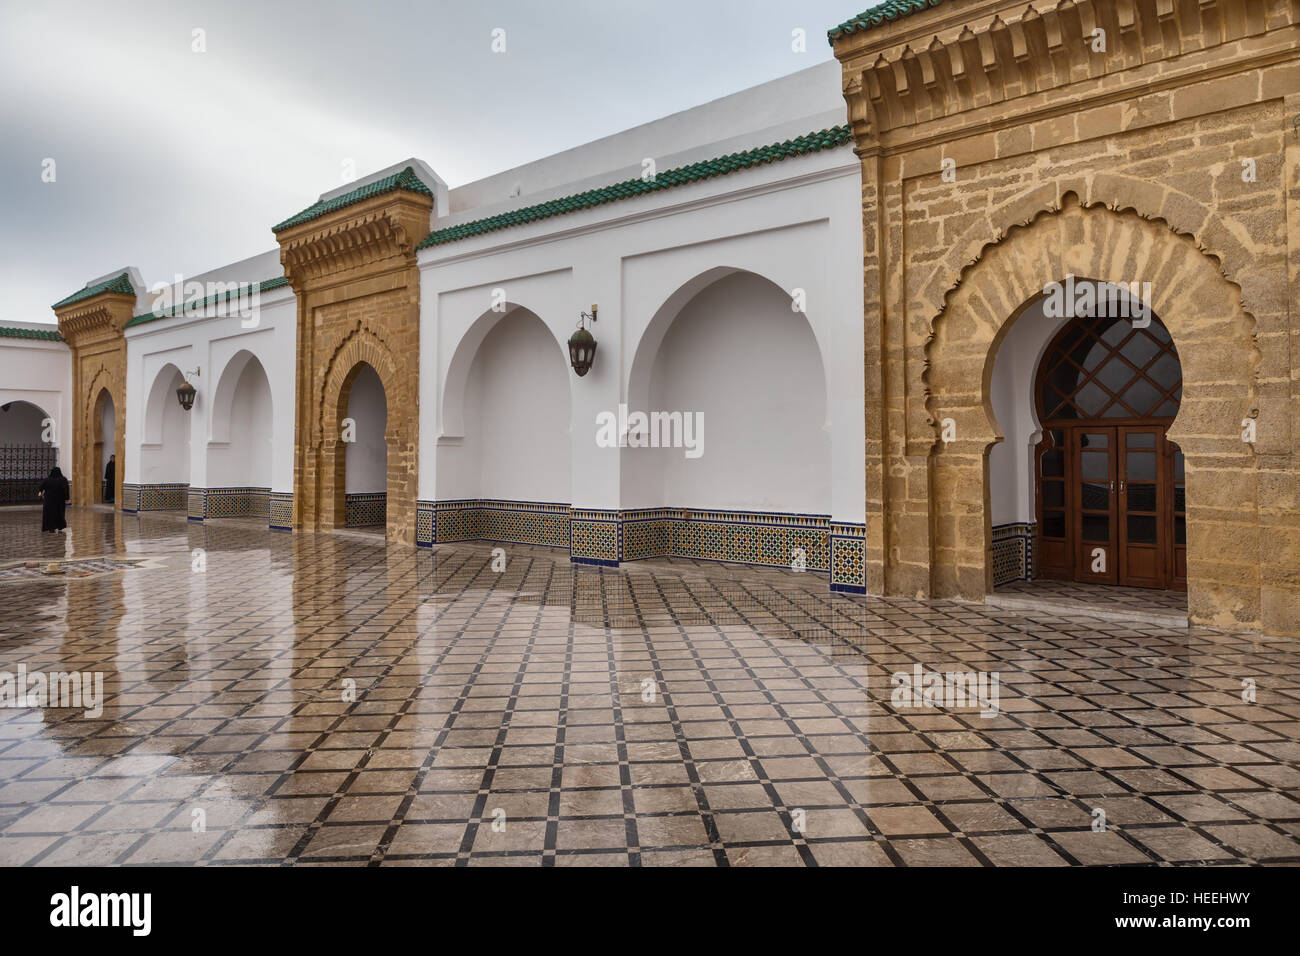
(305, 699)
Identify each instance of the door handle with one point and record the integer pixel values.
(1112, 486)
(1121, 486)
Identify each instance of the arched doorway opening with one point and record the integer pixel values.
(240, 450)
(165, 451)
(1109, 485)
(26, 454)
(738, 360)
(103, 423)
(504, 449)
(381, 423)
(954, 370)
(730, 457)
(363, 422)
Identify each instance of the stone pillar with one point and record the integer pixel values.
(875, 548)
(1279, 473)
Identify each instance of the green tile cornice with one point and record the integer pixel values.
(120, 285)
(43, 335)
(406, 180)
(882, 13)
(265, 285)
(629, 188)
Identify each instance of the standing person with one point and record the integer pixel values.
(55, 493)
(110, 485)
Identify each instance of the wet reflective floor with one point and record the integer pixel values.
(283, 699)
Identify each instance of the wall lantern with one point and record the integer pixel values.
(582, 345)
(185, 394)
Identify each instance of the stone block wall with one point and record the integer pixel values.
(1169, 157)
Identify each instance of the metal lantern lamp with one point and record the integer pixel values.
(185, 394)
(582, 345)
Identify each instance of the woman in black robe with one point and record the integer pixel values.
(55, 493)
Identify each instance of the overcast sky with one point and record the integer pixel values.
(177, 161)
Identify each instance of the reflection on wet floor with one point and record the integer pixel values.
(1110, 602)
(277, 698)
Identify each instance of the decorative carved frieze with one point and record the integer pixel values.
(383, 230)
(1022, 49)
(94, 319)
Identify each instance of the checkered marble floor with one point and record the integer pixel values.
(301, 700)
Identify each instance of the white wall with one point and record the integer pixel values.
(246, 459)
(40, 372)
(1011, 389)
(792, 105)
(516, 417)
(20, 423)
(739, 356)
(367, 457)
(215, 345)
(796, 223)
(165, 455)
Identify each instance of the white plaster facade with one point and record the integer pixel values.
(240, 431)
(792, 227)
(37, 372)
(737, 297)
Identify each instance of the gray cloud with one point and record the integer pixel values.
(175, 161)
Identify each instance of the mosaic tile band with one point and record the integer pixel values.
(280, 517)
(366, 510)
(520, 522)
(606, 537)
(1013, 552)
(207, 503)
(155, 497)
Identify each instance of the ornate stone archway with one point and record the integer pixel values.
(1214, 336)
(351, 261)
(364, 347)
(968, 121)
(92, 327)
(101, 391)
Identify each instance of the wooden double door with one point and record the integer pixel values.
(1111, 505)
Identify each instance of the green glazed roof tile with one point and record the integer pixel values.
(43, 335)
(265, 285)
(119, 284)
(405, 180)
(885, 12)
(695, 172)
